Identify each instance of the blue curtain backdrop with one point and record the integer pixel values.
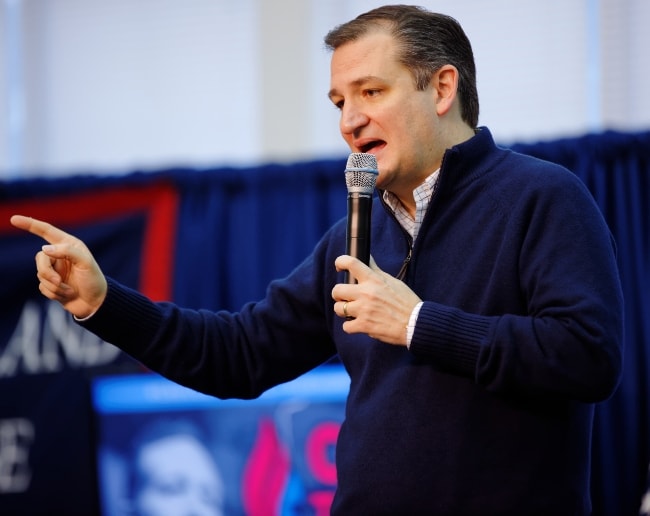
(237, 229)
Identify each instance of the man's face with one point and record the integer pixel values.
(382, 113)
(180, 478)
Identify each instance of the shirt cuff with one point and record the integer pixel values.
(410, 328)
(83, 319)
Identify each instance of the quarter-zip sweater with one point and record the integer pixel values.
(490, 410)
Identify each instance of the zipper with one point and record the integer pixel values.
(405, 264)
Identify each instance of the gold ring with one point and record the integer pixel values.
(345, 309)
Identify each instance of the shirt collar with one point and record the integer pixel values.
(422, 195)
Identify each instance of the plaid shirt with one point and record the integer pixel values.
(422, 195)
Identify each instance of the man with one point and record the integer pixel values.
(487, 324)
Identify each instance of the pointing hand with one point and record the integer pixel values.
(67, 271)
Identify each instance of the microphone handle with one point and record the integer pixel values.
(358, 229)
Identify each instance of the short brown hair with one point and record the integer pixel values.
(427, 40)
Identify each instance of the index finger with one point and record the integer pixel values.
(45, 230)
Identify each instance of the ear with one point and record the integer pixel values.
(445, 86)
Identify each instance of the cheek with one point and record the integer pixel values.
(423, 133)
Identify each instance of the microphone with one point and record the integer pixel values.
(360, 178)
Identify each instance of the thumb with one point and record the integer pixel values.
(57, 251)
(76, 253)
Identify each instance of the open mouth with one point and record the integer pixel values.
(368, 147)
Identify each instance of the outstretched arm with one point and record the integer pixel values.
(66, 269)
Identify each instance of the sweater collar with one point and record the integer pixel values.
(463, 163)
(468, 160)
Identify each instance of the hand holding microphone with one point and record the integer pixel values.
(382, 307)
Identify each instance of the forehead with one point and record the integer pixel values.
(373, 54)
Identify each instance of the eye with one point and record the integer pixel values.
(338, 104)
(371, 92)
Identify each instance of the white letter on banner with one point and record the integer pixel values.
(47, 344)
(16, 438)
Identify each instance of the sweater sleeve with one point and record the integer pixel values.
(228, 355)
(563, 332)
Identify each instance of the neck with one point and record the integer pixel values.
(450, 136)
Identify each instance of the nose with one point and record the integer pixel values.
(352, 118)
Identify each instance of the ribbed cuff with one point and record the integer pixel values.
(450, 337)
(126, 318)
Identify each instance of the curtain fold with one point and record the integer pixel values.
(242, 228)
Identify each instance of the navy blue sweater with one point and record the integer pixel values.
(490, 410)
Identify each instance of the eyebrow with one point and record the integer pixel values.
(357, 82)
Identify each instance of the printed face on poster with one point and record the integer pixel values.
(161, 446)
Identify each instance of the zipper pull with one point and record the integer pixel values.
(405, 265)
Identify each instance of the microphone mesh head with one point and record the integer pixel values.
(361, 172)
